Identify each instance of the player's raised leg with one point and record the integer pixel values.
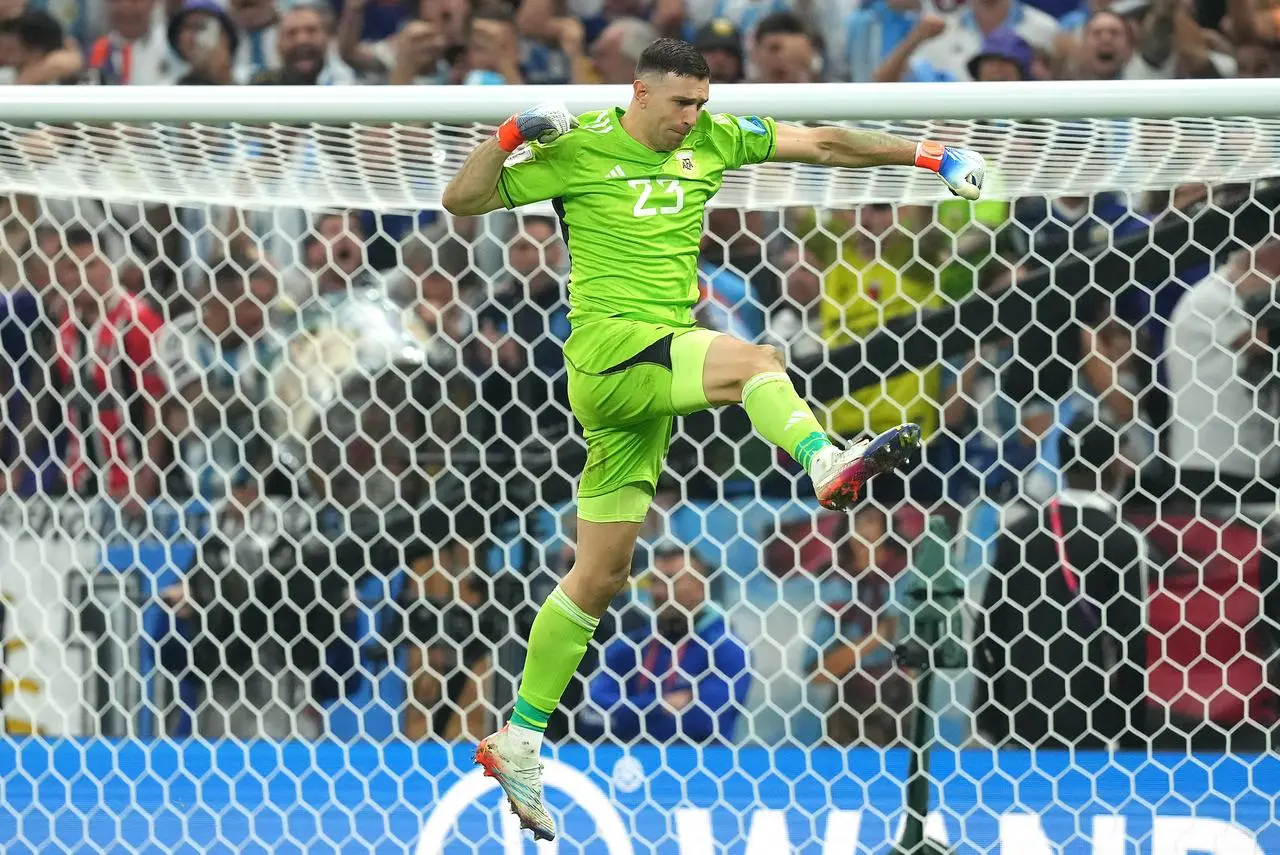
(753, 375)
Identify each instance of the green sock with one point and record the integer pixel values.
(780, 416)
(557, 643)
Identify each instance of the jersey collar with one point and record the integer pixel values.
(631, 142)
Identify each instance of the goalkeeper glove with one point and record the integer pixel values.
(543, 123)
(962, 169)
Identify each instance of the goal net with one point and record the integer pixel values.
(289, 465)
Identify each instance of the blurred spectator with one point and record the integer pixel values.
(454, 627)
(1060, 643)
(876, 30)
(728, 302)
(1222, 370)
(1105, 50)
(1003, 58)
(1061, 367)
(877, 279)
(795, 319)
(213, 361)
(135, 52)
(333, 258)
(528, 320)
(539, 18)
(1254, 59)
(492, 55)
(204, 37)
(256, 21)
(942, 48)
(617, 49)
(306, 59)
(33, 50)
(786, 51)
(686, 677)
(721, 46)
(114, 386)
(1141, 40)
(855, 636)
(418, 54)
(32, 438)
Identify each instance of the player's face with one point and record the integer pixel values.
(671, 106)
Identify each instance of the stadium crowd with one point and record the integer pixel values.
(141, 342)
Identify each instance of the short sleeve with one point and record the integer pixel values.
(533, 173)
(743, 139)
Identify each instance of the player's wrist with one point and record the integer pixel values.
(509, 136)
(929, 155)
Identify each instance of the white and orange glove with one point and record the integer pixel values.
(962, 169)
(543, 123)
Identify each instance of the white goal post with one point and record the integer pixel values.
(309, 675)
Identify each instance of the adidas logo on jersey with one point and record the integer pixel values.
(616, 172)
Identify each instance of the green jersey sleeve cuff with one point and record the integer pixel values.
(502, 191)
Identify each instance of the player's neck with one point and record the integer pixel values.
(630, 122)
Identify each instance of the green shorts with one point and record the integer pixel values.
(627, 381)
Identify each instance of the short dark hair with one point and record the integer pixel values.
(538, 220)
(38, 30)
(673, 56)
(1104, 13)
(78, 236)
(785, 23)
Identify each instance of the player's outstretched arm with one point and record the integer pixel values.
(960, 168)
(474, 190)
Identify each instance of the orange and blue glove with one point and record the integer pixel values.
(962, 169)
(543, 123)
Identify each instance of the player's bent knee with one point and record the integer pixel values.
(763, 359)
(768, 359)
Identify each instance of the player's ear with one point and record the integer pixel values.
(639, 90)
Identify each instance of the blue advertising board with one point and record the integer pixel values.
(331, 797)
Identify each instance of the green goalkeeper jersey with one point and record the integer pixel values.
(632, 216)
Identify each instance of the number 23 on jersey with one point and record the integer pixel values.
(657, 196)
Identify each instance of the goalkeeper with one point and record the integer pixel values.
(630, 188)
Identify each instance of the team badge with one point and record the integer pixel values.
(686, 160)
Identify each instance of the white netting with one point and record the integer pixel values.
(405, 168)
(381, 390)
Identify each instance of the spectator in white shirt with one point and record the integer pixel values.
(948, 53)
(136, 50)
(307, 57)
(257, 22)
(1224, 418)
(1140, 40)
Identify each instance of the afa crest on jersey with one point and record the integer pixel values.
(686, 161)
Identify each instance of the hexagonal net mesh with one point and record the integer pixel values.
(289, 466)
